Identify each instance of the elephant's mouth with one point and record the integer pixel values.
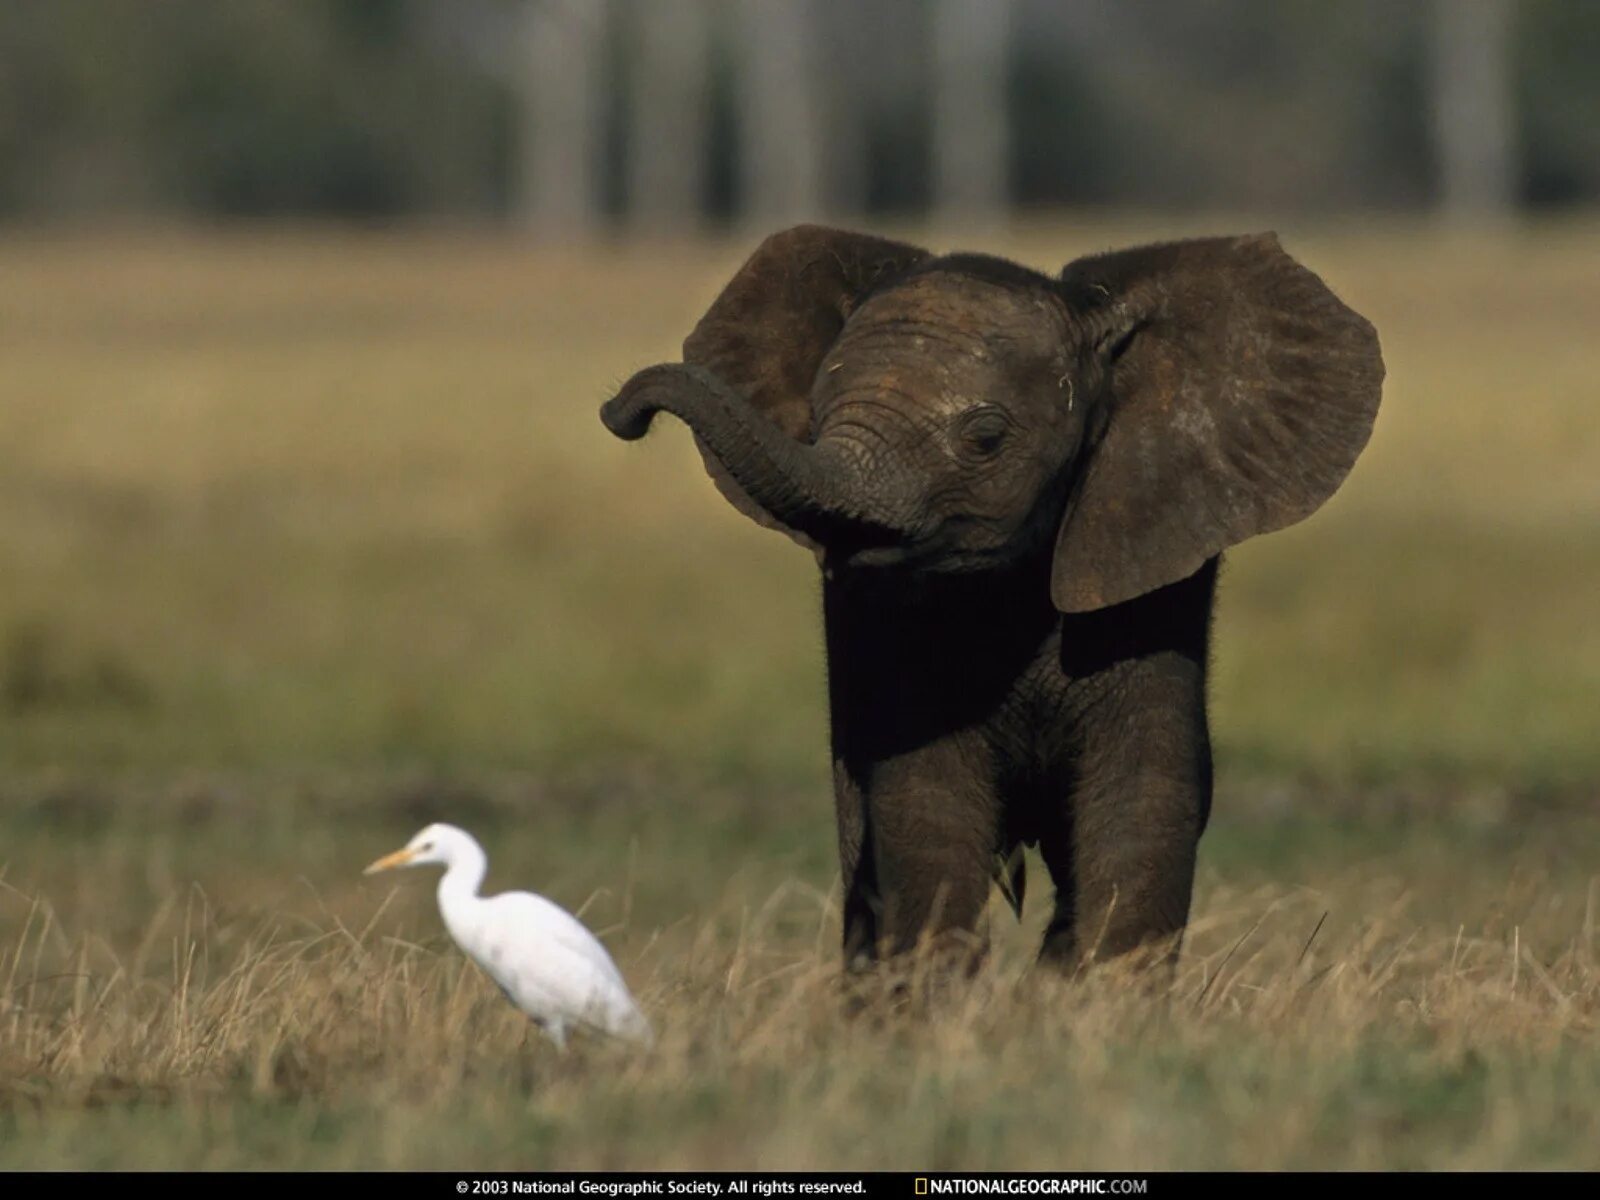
(952, 547)
(872, 549)
(879, 556)
(875, 558)
(865, 546)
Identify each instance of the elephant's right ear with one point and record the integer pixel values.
(766, 334)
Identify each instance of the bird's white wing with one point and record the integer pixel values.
(548, 920)
(550, 965)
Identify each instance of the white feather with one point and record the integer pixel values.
(541, 956)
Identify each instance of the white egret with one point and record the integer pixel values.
(544, 959)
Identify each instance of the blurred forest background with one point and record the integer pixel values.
(566, 113)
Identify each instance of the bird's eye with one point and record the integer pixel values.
(984, 432)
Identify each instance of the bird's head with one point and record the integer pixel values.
(435, 844)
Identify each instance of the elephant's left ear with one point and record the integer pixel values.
(1241, 391)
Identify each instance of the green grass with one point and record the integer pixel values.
(308, 539)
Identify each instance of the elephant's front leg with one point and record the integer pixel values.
(857, 867)
(1121, 843)
(923, 862)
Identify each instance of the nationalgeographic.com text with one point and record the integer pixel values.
(1037, 1187)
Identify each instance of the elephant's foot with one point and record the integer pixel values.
(1146, 959)
(918, 980)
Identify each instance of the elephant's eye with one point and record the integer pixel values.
(984, 432)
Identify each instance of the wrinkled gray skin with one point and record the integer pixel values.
(1018, 487)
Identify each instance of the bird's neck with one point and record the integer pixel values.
(463, 878)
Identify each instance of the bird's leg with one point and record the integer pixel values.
(525, 1062)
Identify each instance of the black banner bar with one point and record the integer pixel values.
(765, 1185)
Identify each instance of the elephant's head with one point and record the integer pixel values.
(1143, 411)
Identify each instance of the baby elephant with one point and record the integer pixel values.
(1018, 487)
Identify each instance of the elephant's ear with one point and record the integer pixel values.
(1240, 391)
(767, 333)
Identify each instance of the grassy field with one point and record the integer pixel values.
(309, 538)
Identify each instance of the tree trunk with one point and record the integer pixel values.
(780, 122)
(971, 147)
(558, 63)
(1472, 115)
(668, 128)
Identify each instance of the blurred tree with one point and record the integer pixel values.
(376, 108)
(1557, 69)
(971, 146)
(668, 126)
(562, 43)
(1241, 104)
(248, 107)
(1470, 44)
(779, 115)
(876, 58)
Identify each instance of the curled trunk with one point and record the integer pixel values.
(804, 487)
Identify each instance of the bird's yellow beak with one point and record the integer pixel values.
(398, 859)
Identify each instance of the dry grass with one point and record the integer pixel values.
(1291, 1037)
